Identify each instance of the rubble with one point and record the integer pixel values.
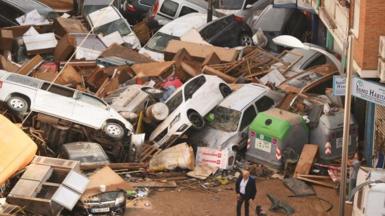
(90, 123)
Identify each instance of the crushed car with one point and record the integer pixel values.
(228, 123)
(109, 20)
(188, 105)
(23, 94)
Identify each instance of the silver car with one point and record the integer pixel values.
(23, 94)
(228, 122)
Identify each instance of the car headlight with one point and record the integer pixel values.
(175, 120)
(120, 199)
(182, 128)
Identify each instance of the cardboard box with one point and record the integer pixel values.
(64, 48)
(65, 26)
(381, 48)
(6, 39)
(212, 157)
(199, 51)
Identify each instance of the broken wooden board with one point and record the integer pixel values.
(306, 159)
(152, 69)
(319, 180)
(28, 67)
(200, 51)
(154, 184)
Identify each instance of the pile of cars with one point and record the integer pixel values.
(104, 90)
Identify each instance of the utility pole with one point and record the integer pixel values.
(346, 130)
(210, 10)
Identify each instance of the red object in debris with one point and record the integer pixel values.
(139, 81)
(155, 8)
(172, 82)
(49, 67)
(131, 8)
(278, 154)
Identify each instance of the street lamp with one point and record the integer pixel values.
(293, 42)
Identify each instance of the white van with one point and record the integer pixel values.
(370, 198)
(172, 31)
(168, 10)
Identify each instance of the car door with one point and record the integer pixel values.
(55, 100)
(196, 98)
(247, 117)
(90, 110)
(264, 103)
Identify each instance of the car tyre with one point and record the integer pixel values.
(114, 130)
(196, 120)
(245, 40)
(225, 90)
(18, 104)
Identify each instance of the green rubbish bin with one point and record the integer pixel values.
(272, 134)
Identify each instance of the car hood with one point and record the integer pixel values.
(212, 138)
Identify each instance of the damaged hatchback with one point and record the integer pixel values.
(187, 105)
(23, 94)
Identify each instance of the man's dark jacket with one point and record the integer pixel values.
(250, 190)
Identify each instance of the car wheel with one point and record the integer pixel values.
(114, 130)
(245, 40)
(18, 104)
(225, 90)
(196, 120)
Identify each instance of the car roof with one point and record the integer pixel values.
(29, 5)
(242, 97)
(200, 3)
(182, 25)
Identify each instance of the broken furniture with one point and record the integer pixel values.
(48, 186)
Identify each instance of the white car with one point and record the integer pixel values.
(228, 122)
(171, 31)
(109, 20)
(187, 106)
(23, 94)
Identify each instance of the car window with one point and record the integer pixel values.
(193, 86)
(186, 10)
(148, 3)
(264, 104)
(318, 61)
(9, 12)
(169, 8)
(159, 41)
(174, 102)
(248, 117)
(119, 25)
(23, 80)
(215, 27)
(92, 100)
(225, 119)
(56, 89)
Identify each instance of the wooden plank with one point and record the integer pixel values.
(306, 159)
(322, 183)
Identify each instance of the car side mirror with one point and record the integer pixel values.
(248, 6)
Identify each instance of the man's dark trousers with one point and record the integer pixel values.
(242, 199)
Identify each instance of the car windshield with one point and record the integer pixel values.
(229, 4)
(159, 41)
(118, 25)
(225, 119)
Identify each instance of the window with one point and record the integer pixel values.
(318, 61)
(23, 80)
(92, 100)
(186, 10)
(215, 27)
(248, 117)
(9, 12)
(169, 8)
(193, 86)
(160, 41)
(264, 104)
(119, 25)
(175, 101)
(56, 89)
(356, 18)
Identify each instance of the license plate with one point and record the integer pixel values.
(100, 210)
(263, 145)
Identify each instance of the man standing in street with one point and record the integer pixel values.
(246, 190)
